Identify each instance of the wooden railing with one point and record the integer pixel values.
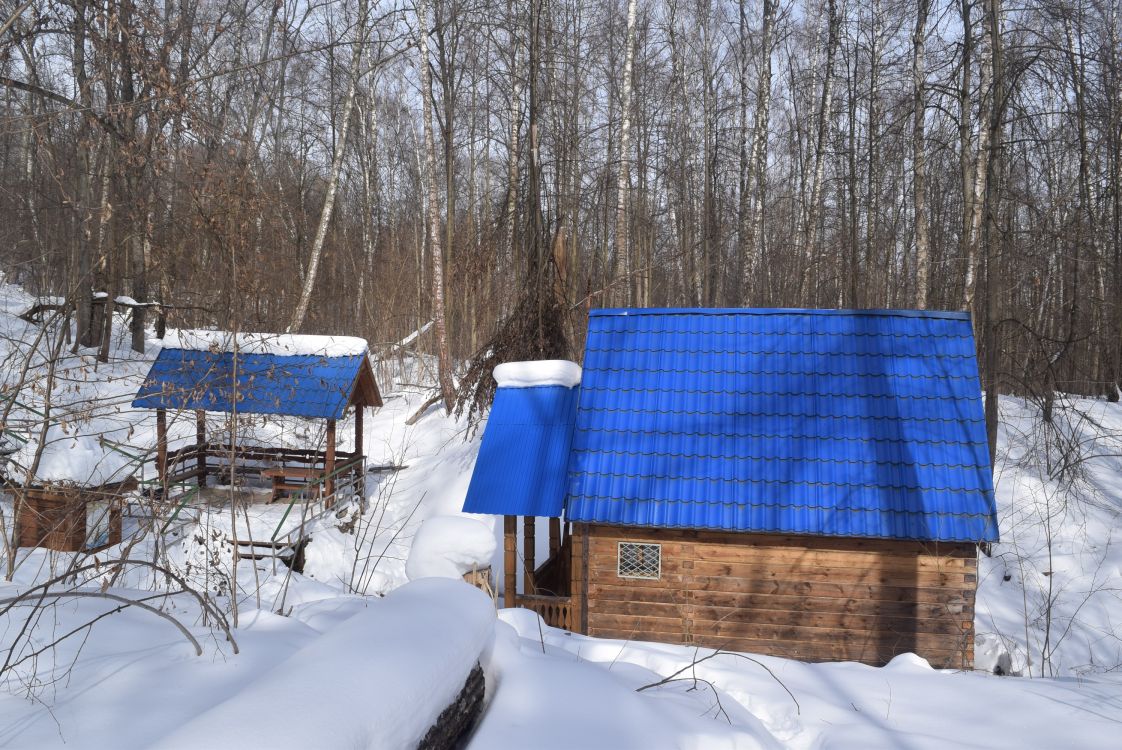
(557, 611)
(196, 462)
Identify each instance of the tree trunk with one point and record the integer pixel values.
(993, 240)
(623, 179)
(825, 107)
(444, 359)
(301, 310)
(919, 158)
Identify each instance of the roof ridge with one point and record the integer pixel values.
(662, 311)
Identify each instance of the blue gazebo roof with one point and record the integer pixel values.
(302, 385)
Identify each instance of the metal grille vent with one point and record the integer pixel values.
(640, 560)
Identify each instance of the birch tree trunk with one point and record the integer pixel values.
(825, 107)
(993, 233)
(301, 310)
(919, 158)
(979, 173)
(444, 358)
(623, 184)
(757, 157)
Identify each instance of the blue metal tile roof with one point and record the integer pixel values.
(522, 459)
(312, 386)
(831, 422)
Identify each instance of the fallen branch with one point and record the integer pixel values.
(692, 665)
(125, 602)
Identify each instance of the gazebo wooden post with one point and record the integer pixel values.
(358, 429)
(162, 447)
(200, 442)
(329, 463)
(510, 560)
(528, 538)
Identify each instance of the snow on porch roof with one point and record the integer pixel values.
(822, 422)
(303, 376)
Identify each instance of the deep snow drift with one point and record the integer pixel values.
(326, 662)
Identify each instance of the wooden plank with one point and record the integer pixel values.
(828, 589)
(605, 559)
(767, 602)
(745, 539)
(598, 575)
(946, 625)
(629, 626)
(827, 558)
(639, 608)
(691, 570)
(767, 631)
(871, 575)
(605, 591)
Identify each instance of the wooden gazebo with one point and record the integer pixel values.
(313, 377)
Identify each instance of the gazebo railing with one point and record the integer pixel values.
(196, 462)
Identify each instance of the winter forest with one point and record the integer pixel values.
(366, 168)
(853, 263)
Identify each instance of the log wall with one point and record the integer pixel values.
(55, 517)
(809, 598)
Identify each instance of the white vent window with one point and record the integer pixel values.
(640, 560)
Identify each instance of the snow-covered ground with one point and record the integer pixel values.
(353, 654)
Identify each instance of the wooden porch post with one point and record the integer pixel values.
(162, 447)
(510, 560)
(200, 441)
(329, 462)
(554, 536)
(359, 408)
(528, 538)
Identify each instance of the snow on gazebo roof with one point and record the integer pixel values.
(260, 373)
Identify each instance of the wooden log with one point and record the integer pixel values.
(735, 554)
(747, 540)
(845, 622)
(631, 626)
(453, 727)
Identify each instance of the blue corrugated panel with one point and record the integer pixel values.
(525, 451)
(832, 422)
(301, 385)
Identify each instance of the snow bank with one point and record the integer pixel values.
(379, 679)
(81, 459)
(283, 344)
(538, 373)
(729, 701)
(602, 706)
(449, 546)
